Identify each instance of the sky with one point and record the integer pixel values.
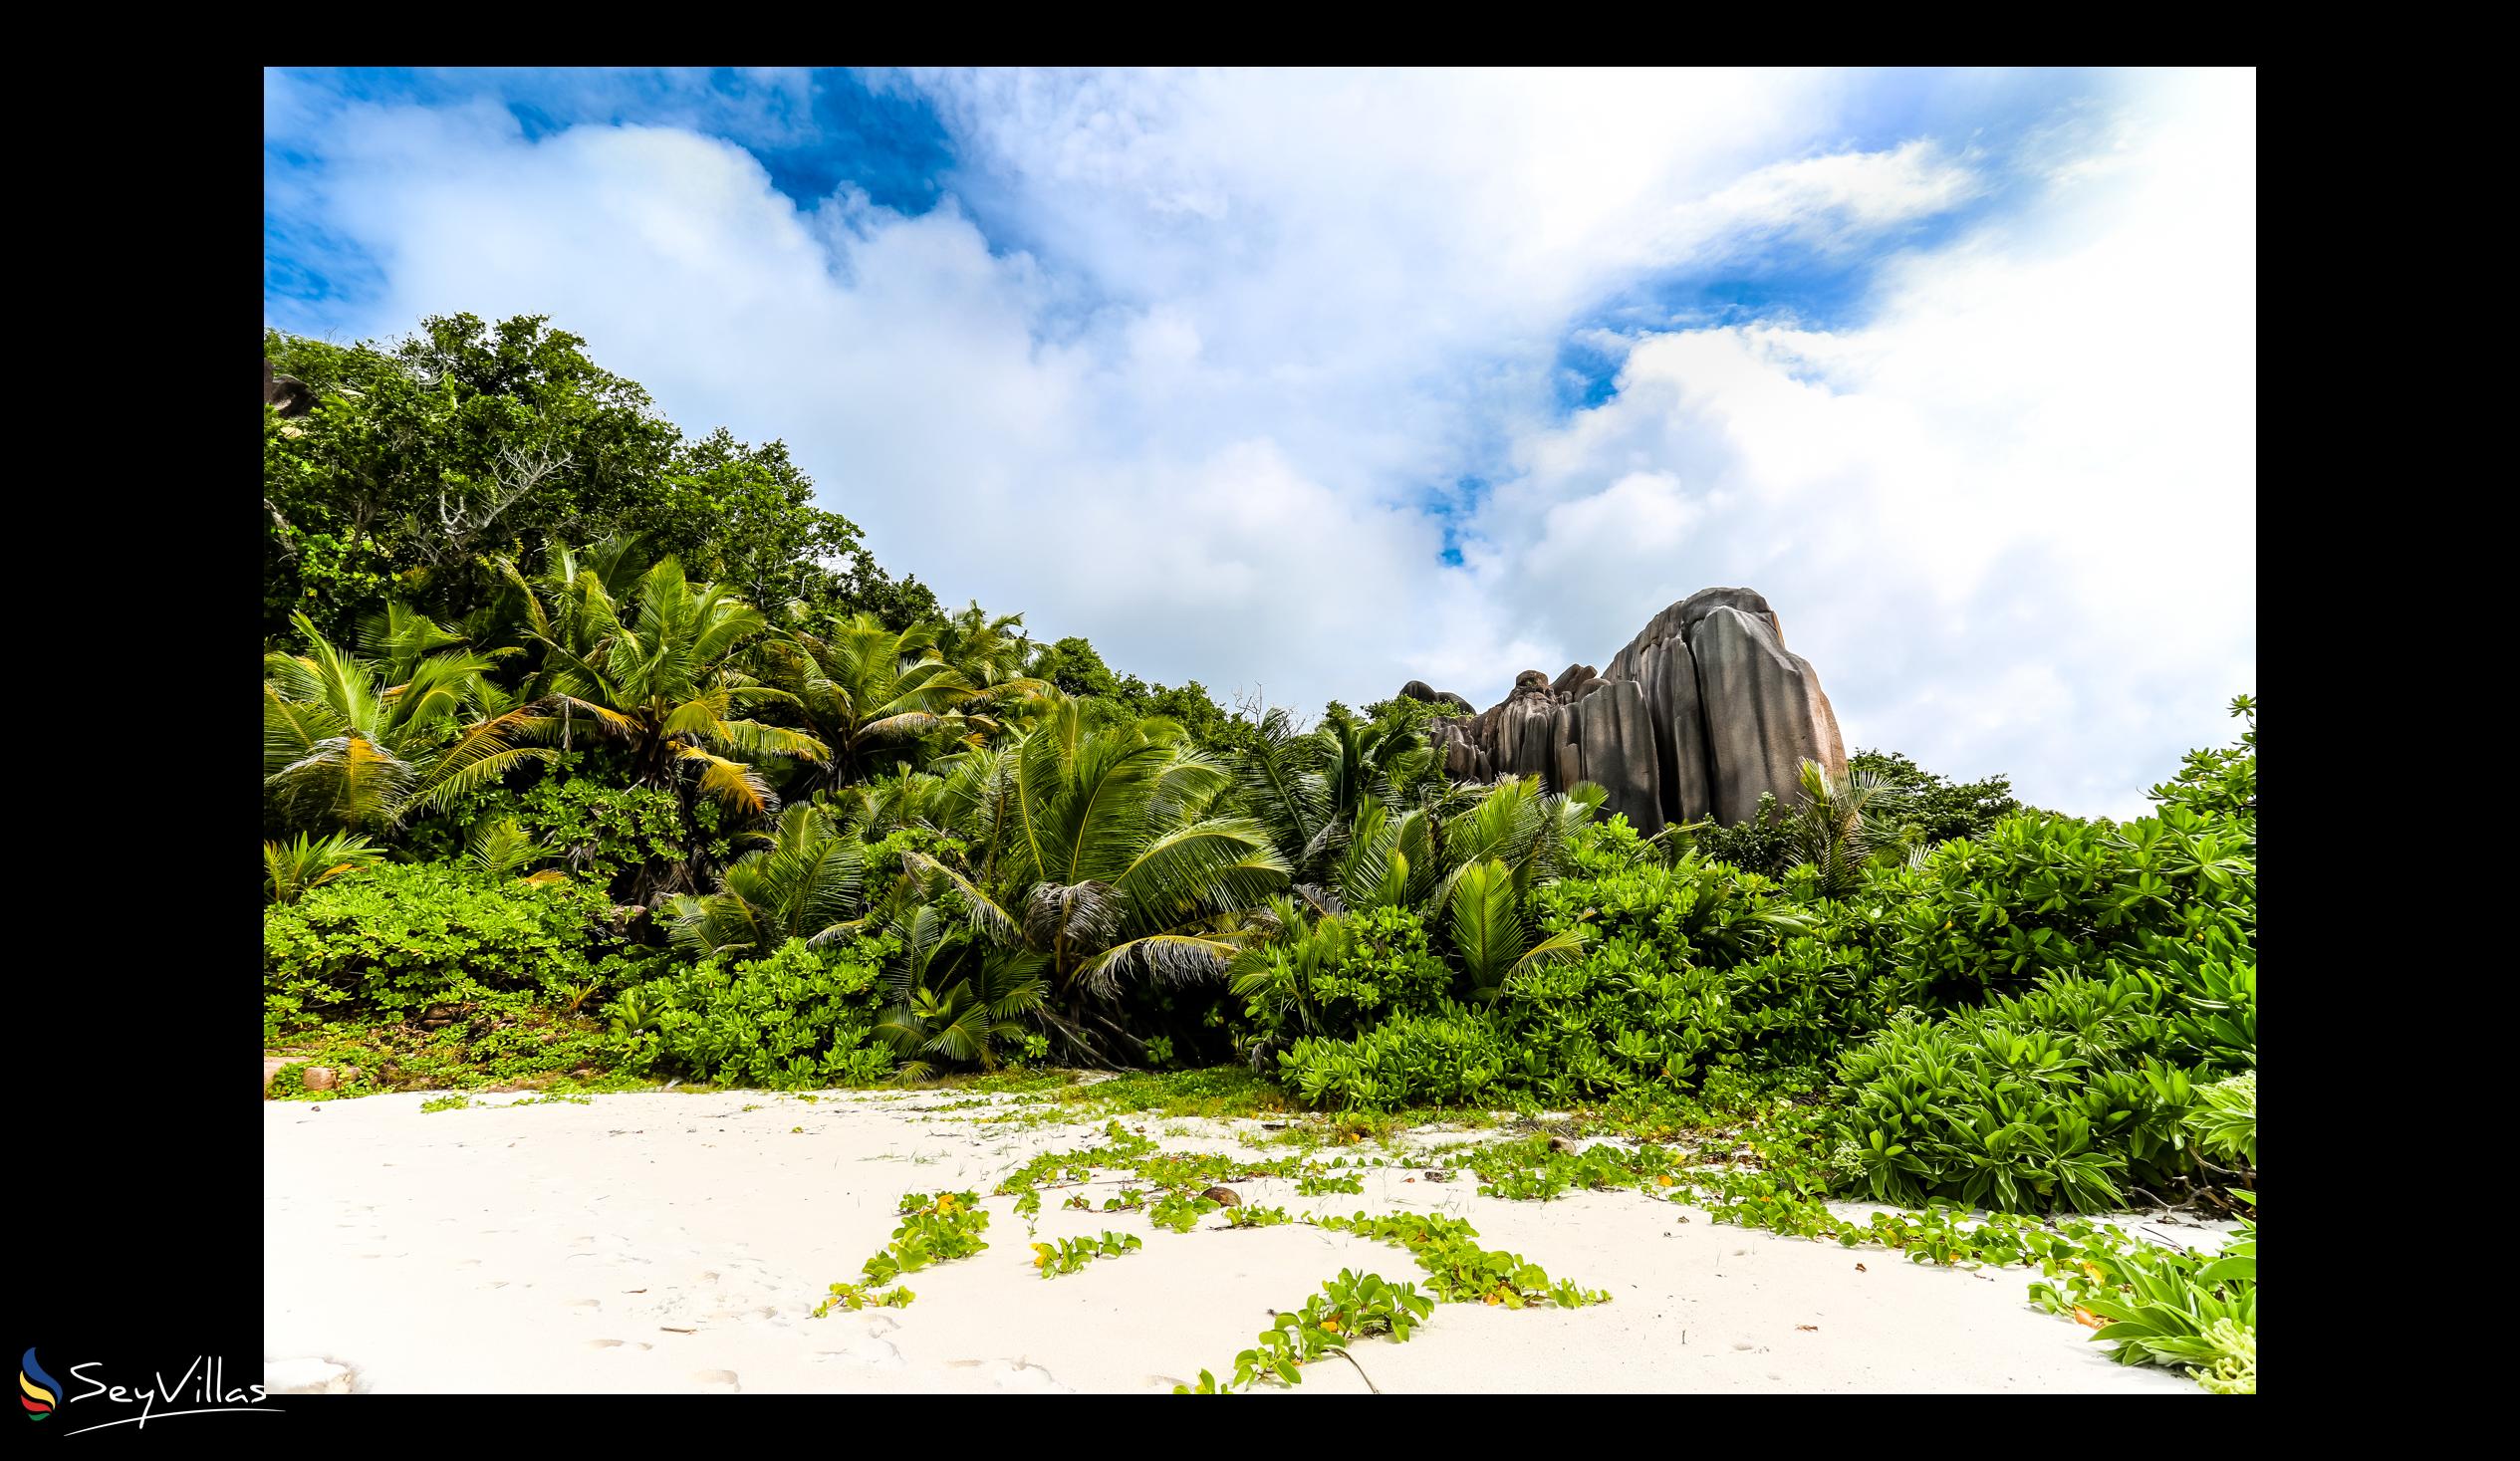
(1309, 383)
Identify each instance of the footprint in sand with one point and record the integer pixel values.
(864, 1352)
(1013, 1376)
(716, 1380)
(586, 1304)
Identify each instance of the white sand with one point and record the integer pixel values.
(675, 1242)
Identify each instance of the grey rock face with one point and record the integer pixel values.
(1421, 690)
(1615, 738)
(287, 393)
(1769, 721)
(1700, 713)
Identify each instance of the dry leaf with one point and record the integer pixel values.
(2085, 1317)
(1807, 1326)
(1859, 1267)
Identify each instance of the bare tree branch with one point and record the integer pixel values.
(515, 475)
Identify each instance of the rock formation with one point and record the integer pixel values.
(287, 393)
(1702, 711)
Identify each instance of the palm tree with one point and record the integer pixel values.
(1833, 830)
(862, 690)
(290, 868)
(397, 639)
(805, 884)
(1367, 758)
(1387, 859)
(1279, 778)
(342, 746)
(882, 805)
(658, 670)
(1310, 787)
(955, 998)
(989, 652)
(501, 846)
(1100, 850)
(1530, 832)
(1489, 936)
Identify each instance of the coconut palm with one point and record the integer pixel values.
(865, 692)
(292, 867)
(989, 652)
(1532, 833)
(954, 998)
(1837, 826)
(1310, 787)
(1279, 778)
(804, 884)
(658, 669)
(882, 805)
(502, 848)
(1489, 936)
(1388, 858)
(1100, 850)
(1364, 759)
(342, 745)
(397, 639)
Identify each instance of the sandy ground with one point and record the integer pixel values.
(677, 1242)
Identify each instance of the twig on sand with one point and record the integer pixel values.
(1360, 1375)
(2157, 1200)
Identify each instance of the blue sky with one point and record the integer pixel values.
(1313, 383)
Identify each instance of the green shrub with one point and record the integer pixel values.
(604, 831)
(2047, 894)
(803, 1017)
(1763, 845)
(397, 938)
(1937, 807)
(1341, 976)
(2224, 1122)
(2063, 1096)
(2129, 960)
(1689, 968)
(1449, 1056)
(2221, 783)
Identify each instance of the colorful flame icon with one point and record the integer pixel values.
(41, 1391)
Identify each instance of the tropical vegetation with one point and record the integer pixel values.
(594, 755)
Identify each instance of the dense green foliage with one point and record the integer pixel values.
(797, 1018)
(620, 737)
(468, 439)
(397, 938)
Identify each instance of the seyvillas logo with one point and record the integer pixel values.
(38, 1392)
(202, 1390)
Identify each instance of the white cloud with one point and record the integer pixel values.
(1226, 332)
(2012, 517)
